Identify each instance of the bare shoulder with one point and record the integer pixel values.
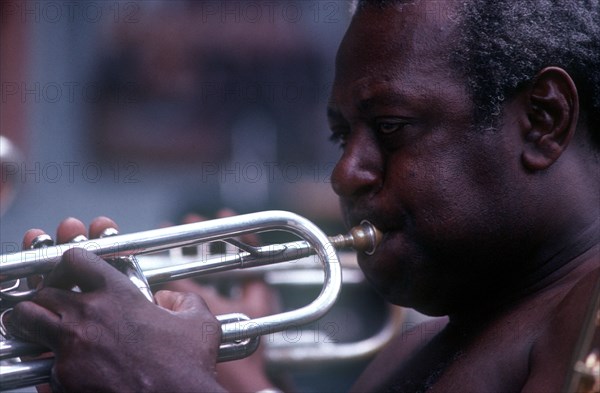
(557, 343)
(525, 347)
(410, 339)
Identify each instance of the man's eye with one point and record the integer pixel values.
(389, 127)
(339, 138)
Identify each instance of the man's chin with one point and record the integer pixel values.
(404, 297)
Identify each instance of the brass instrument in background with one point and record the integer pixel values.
(584, 376)
(129, 253)
(10, 165)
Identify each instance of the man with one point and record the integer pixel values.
(470, 138)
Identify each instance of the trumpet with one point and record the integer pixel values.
(240, 334)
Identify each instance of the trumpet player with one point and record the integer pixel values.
(470, 135)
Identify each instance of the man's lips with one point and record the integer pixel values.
(383, 225)
(389, 224)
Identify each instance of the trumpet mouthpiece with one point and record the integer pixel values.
(364, 237)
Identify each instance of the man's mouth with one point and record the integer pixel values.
(366, 237)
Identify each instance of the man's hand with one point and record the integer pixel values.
(253, 298)
(109, 337)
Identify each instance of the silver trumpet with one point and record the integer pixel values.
(128, 252)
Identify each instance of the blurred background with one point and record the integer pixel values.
(144, 111)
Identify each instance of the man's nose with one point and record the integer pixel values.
(359, 170)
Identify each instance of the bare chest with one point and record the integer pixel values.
(492, 357)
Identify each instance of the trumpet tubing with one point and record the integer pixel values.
(365, 238)
(240, 334)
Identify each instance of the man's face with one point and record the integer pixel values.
(412, 165)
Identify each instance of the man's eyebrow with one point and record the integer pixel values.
(383, 99)
(376, 99)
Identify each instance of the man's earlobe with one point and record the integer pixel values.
(552, 113)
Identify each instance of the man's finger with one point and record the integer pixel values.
(82, 268)
(69, 229)
(193, 217)
(260, 300)
(34, 323)
(55, 300)
(99, 225)
(29, 236)
(180, 302)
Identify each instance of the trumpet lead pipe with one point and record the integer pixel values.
(364, 237)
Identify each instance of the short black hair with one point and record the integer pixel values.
(503, 44)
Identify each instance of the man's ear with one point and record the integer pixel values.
(553, 110)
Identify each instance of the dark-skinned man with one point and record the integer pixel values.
(470, 137)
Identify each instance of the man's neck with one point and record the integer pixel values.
(559, 271)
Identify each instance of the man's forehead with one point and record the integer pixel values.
(412, 91)
(423, 24)
(384, 41)
(441, 12)
(395, 56)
